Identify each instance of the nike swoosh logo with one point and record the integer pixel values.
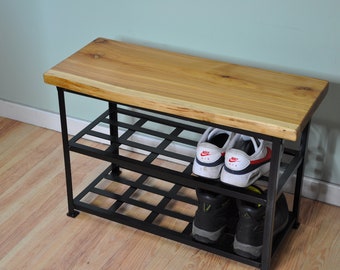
(205, 153)
(233, 159)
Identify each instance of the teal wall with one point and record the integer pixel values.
(300, 37)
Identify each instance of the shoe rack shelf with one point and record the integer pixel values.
(146, 193)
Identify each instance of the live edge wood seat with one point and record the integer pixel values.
(262, 101)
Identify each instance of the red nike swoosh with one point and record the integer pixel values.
(233, 159)
(205, 153)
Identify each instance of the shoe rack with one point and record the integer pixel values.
(155, 198)
(181, 94)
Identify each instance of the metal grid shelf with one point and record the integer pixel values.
(167, 213)
(155, 206)
(150, 196)
(153, 155)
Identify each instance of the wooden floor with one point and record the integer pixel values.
(35, 232)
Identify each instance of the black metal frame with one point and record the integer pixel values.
(178, 179)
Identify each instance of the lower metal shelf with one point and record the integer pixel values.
(154, 206)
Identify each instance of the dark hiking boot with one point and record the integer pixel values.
(215, 213)
(250, 227)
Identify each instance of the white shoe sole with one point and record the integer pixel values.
(206, 171)
(244, 180)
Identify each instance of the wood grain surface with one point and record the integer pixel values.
(262, 101)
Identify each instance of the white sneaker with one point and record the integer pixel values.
(246, 162)
(210, 152)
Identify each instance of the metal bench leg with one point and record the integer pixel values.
(113, 115)
(299, 175)
(271, 203)
(61, 97)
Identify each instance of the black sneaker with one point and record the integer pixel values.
(215, 212)
(250, 227)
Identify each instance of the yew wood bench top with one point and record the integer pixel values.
(253, 99)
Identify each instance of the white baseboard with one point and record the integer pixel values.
(312, 188)
(317, 190)
(29, 115)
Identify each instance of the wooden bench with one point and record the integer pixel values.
(197, 92)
